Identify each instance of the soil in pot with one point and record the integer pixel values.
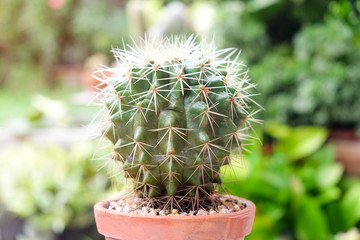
(138, 206)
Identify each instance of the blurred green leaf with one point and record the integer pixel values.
(336, 217)
(350, 205)
(50, 186)
(302, 198)
(329, 195)
(297, 187)
(276, 130)
(328, 176)
(302, 142)
(326, 155)
(310, 222)
(265, 227)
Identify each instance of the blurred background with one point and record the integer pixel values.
(304, 56)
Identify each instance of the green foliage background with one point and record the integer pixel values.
(299, 188)
(304, 56)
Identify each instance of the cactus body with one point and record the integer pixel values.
(175, 111)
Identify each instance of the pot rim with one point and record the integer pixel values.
(250, 207)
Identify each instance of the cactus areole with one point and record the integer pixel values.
(176, 111)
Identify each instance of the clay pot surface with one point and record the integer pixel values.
(229, 226)
(90, 83)
(347, 146)
(348, 153)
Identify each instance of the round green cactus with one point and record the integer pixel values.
(176, 110)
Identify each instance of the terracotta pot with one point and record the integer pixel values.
(89, 82)
(91, 65)
(230, 226)
(347, 146)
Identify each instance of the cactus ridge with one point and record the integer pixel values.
(176, 111)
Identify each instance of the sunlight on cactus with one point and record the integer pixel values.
(176, 110)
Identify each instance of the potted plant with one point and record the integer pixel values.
(176, 111)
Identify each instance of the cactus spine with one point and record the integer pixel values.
(176, 111)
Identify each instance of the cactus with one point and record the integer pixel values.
(176, 111)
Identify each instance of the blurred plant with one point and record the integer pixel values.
(317, 83)
(38, 35)
(51, 112)
(35, 27)
(346, 10)
(235, 25)
(174, 19)
(97, 26)
(298, 186)
(254, 25)
(284, 18)
(50, 187)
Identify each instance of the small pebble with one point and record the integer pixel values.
(212, 212)
(191, 213)
(231, 208)
(112, 205)
(174, 211)
(144, 212)
(224, 210)
(221, 207)
(163, 212)
(129, 201)
(202, 212)
(126, 209)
